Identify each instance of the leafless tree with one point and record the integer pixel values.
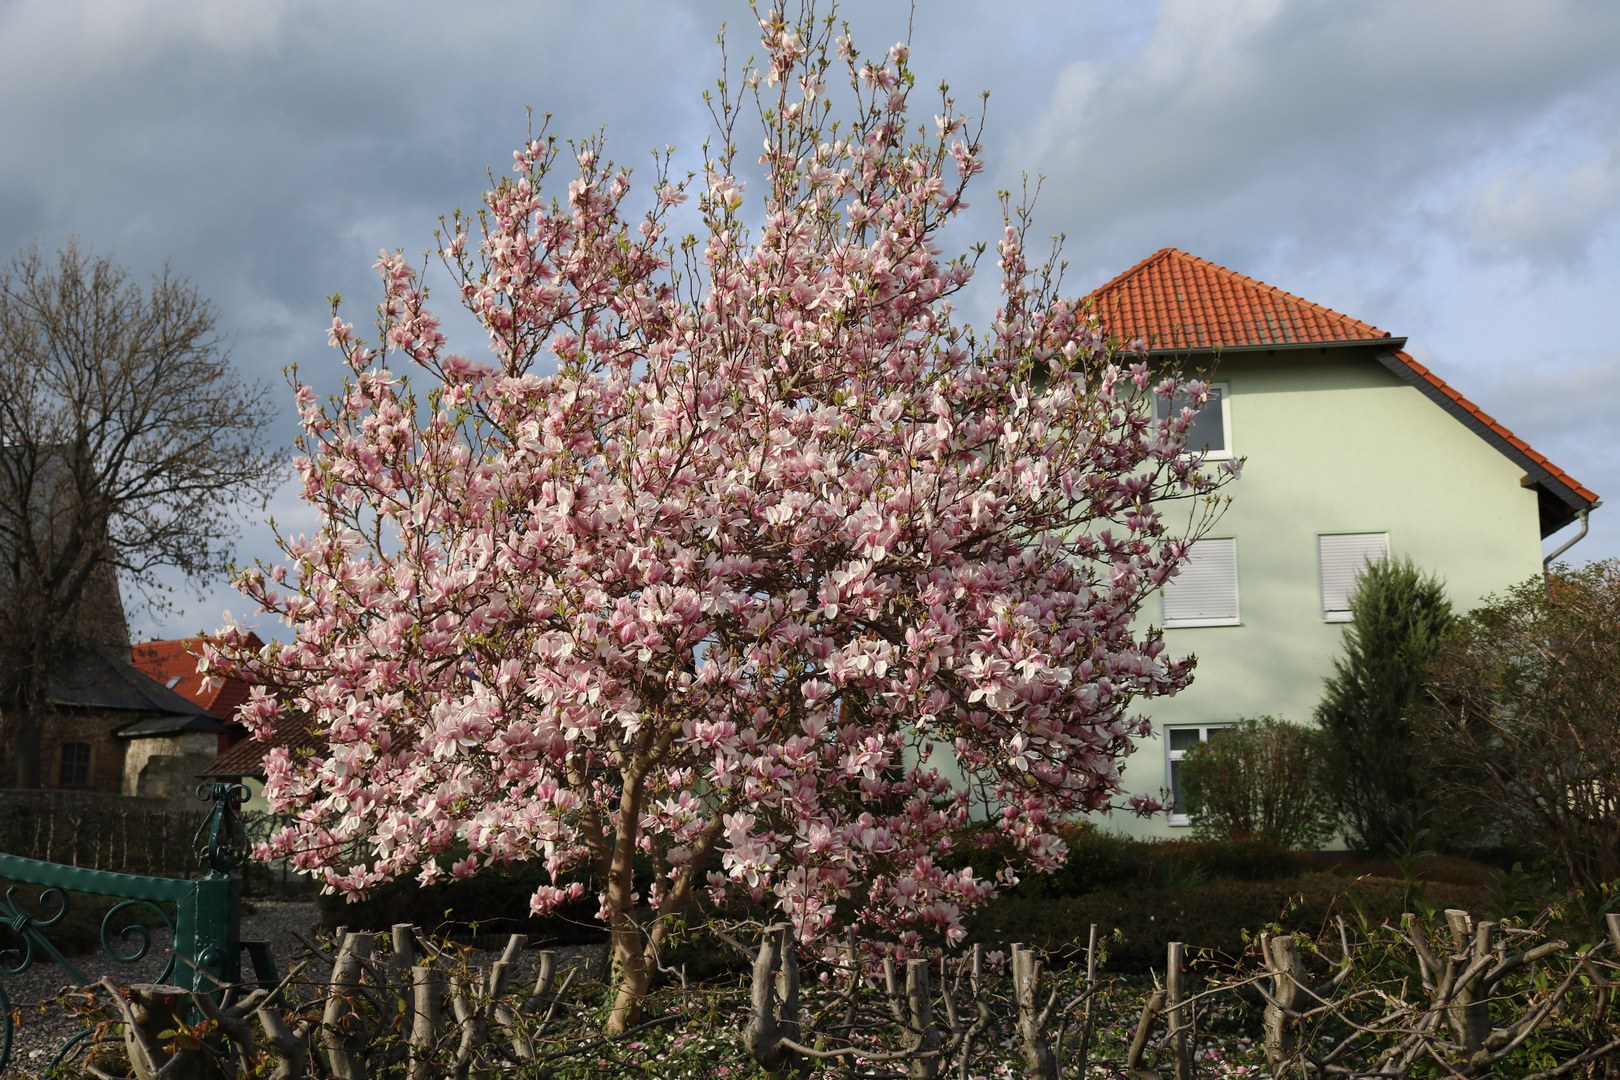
(129, 443)
(1519, 738)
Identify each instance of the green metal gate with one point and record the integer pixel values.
(205, 949)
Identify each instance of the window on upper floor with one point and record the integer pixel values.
(74, 770)
(1205, 593)
(1211, 428)
(1177, 741)
(1340, 558)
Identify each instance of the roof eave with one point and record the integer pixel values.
(1560, 501)
(1218, 351)
(166, 726)
(256, 772)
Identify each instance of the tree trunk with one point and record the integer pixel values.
(1290, 991)
(1178, 1013)
(924, 1036)
(30, 749)
(1039, 1061)
(628, 951)
(632, 974)
(1470, 1012)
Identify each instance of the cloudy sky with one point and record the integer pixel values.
(1448, 170)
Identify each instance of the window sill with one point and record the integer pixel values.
(1337, 616)
(1178, 821)
(1184, 624)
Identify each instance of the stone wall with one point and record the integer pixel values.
(89, 726)
(166, 766)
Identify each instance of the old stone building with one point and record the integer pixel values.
(114, 729)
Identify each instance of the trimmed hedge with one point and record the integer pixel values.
(1215, 915)
(1206, 893)
(1104, 860)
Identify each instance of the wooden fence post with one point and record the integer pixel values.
(1039, 1061)
(1178, 1016)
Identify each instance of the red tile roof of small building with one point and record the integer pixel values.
(176, 659)
(246, 758)
(1176, 302)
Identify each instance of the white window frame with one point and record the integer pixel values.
(1171, 757)
(1224, 454)
(1237, 599)
(1338, 615)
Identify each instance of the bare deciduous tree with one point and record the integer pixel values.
(128, 443)
(1519, 738)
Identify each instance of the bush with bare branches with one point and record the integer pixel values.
(1518, 741)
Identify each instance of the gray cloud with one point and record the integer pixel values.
(1548, 214)
(1569, 415)
(1421, 164)
(1247, 125)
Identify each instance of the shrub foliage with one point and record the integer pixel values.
(1519, 739)
(1264, 779)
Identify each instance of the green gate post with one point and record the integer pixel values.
(222, 845)
(205, 942)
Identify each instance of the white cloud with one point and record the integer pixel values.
(1546, 213)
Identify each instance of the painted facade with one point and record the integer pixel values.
(1343, 436)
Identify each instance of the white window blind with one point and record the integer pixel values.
(1205, 593)
(1342, 556)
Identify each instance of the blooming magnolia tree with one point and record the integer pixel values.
(739, 552)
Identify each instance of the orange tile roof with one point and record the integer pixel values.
(176, 659)
(1178, 301)
(1175, 301)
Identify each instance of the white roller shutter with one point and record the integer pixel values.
(1205, 593)
(1341, 557)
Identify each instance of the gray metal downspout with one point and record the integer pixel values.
(1584, 515)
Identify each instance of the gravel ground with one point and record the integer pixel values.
(43, 1023)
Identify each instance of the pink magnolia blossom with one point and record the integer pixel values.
(740, 552)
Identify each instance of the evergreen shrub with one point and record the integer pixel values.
(1400, 618)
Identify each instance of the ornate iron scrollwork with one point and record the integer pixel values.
(222, 843)
(202, 926)
(139, 933)
(27, 926)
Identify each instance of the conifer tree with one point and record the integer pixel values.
(1399, 619)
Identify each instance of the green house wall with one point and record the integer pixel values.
(1333, 443)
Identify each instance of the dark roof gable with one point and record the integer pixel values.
(95, 677)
